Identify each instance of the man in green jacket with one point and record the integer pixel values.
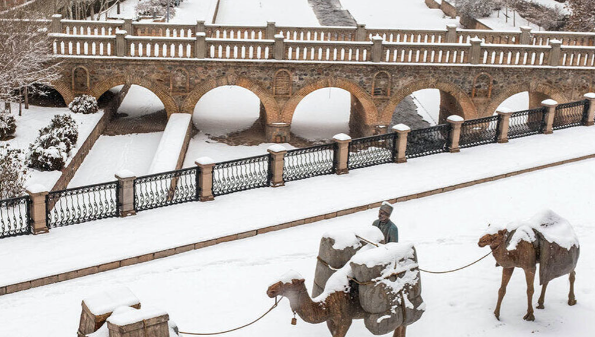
(388, 228)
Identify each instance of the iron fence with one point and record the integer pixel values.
(82, 204)
(309, 162)
(571, 114)
(369, 151)
(526, 123)
(480, 131)
(427, 141)
(164, 189)
(242, 174)
(15, 216)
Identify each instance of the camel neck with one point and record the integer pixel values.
(308, 310)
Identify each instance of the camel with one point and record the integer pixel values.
(338, 309)
(525, 256)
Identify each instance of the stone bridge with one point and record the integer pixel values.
(181, 63)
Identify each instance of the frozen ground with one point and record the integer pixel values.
(258, 12)
(139, 101)
(220, 287)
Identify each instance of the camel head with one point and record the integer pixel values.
(282, 288)
(493, 239)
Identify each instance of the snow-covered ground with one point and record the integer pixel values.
(258, 12)
(224, 286)
(322, 114)
(188, 12)
(139, 101)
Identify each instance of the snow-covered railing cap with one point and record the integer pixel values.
(377, 38)
(525, 27)
(277, 148)
(204, 161)
(201, 34)
(341, 137)
(125, 174)
(475, 39)
(455, 119)
(121, 31)
(57, 16)
(279, 36)
(401, 127)
(504, 110)
(37, 188)
(558, 42)
(590, 95)
(451, 25)
(549, 102)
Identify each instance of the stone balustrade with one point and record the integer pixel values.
(69, 45)
(149, 46)
(515, 55)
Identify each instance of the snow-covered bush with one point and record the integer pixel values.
(65, 126)
(157, 7)
(8, 125)
(51, 148)
(13, 172)
(476, 8)
(84, 104)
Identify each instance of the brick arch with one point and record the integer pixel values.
(467, 106)
(64, 90)
(370, 112)
(542, 88)
(266, 98)
(159, 90)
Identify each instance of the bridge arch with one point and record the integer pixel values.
(450, 93)
(540, 92)
(64, 90)
(159, 90)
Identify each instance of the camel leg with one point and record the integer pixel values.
(400, 331)
(338, 329)
(542, 297)
(506, 275)
(530, 277)
(571, 299)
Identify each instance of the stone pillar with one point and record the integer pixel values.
(455, 132)
(277, 155)
(200, 27)
(402, 131)
(126, 192)
(57, 24)
(279, 51)
(525, 35)
(200, 47)
(475, 52)
(205, 178)
(591, 112)
(377, 48)
(128, 27)
(278, 132)
(341, 153)
(551, 105)
(503, 124)
(360, 33)
(271, 31)
(38, 194)
(451, 33)
(121, 43)
(555, 52)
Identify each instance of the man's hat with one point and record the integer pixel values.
(386, 207)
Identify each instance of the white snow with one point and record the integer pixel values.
(288, 277)
(36, 188)
(277, 148)
(322, 114)
(349, 238)
(401, 127)
(171, 144)
(124, 174)
(455, 118)
(259, 12)
(549, 102)
(204, 161)
(553, 227)
(106, 301)
(341, 137)
(130, 315)
(139, 101)
(383, 255)
(590, 95)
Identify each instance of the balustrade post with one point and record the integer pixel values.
(341, 153)
(402, 131)
(277, 155)
(551, 105)
(271, 31)
(57, 23)
(377, 48)
(555, 52)
(475, 52)
(126, 192)
(128, 27)
(279, 52)
(121, 43)
(455, 132)
(205, 178)
(503, 124)
(361, 33)
(38, 209)
(200, 46)
(525, 35)
(590, 97)
(200, 27)
(451, 33)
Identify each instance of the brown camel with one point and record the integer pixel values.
(525, 256)
(338, 309)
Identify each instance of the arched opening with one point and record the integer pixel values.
(324, 113)
(517, 102)
(46, 96)
(419, 110)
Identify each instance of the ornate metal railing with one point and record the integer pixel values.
(309, 162)
(243, 174)
(526, 123)
(480, 131)
(164, 189)
(570, 114)
(14, 217)
(373, 150)
(82, 204)
(432, 140)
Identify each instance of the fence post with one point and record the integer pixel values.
(551, 105)
(402, 131)
(503, 124)
(525, 35)
(57, 23)
(377, 48)
(121, 43)
(277, 155)
(341, 153)
(475, 52)
(590, 97)
(200, 27)
(279, 52)
(455, 132)
(38, 210)
(126, 192)
(205, 178)
(128, 27)
(200, 46)
(271, 31)
(360, 32)
(555, 52)
(451, 33)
